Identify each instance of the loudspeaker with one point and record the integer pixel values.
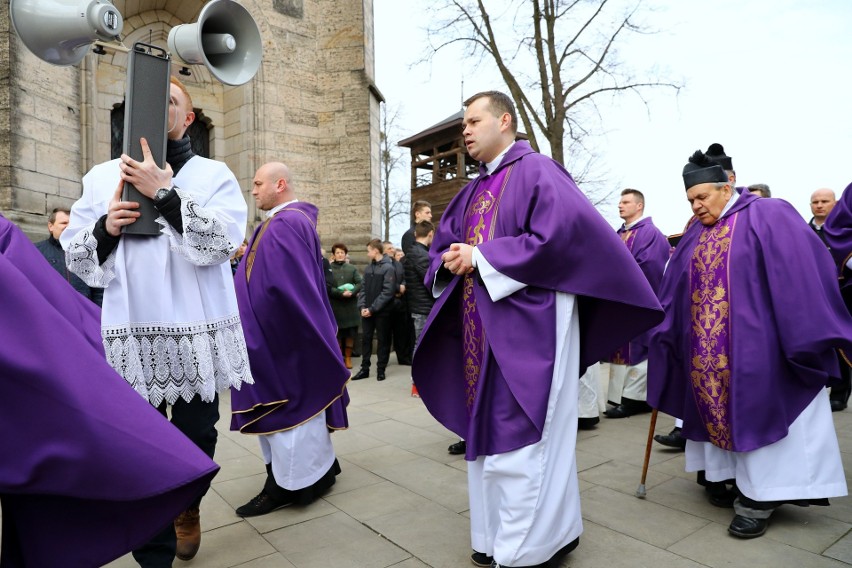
(61, 31)
(225, 39)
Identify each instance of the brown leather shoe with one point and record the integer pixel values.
(188, 530)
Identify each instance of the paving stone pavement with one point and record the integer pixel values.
(401, 501)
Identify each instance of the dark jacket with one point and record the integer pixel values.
(407, 240)
(55, 256)
(379, 287)
(345, 309)
(416, 263)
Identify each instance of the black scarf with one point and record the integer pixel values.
(178, 152)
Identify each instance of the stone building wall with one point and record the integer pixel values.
(313, 105)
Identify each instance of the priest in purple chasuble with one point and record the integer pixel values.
(628, 364)
(299, 395)
(524, 270)
(753, 319)
(90, 470)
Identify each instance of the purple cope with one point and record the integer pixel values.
(289, 328)
(772, 298)
(546, 234)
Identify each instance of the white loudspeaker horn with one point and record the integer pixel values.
(225, 39)
(61, 31)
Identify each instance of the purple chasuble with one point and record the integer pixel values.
(650, 248)
(90, 469)
(775, 318)
(547, 235)
(290, 331)
(477, 230)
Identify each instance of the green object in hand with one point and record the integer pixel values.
(348, 287)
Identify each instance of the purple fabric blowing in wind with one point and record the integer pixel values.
(90, 470)
(289, 328)
(786, 319)
(547, 235)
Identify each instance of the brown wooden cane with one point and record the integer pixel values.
(640, 492)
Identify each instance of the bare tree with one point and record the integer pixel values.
(558, 59)
(394, 198)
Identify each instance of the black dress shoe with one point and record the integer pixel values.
(746, 527)
(554, 561)
(628, 407)
(481, 559)
(362, 374)
(587, 423)
(618, 411)
(458, 448)
(673, 439)
(837, 405)
(262, 504)
(380, 377)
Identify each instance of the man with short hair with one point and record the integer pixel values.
(170, 320)
(753, 318)
(299, 393)
(401, 330)
(52, 251)
(760, 189)
(499, 359)
(377, 292)
(422, 211)
(628, 366)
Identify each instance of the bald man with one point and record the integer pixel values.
(299, 395)
(822, 202)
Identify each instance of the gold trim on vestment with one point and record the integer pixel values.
(278, 406)
(251, 254)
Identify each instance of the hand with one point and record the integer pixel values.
(365, 313)
(120, 213)
(146, 176)
(459, 259)
(347, 294)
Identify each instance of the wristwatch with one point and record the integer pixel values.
(163, 192)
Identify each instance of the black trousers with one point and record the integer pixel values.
(402, 333)
(197, 420)
(379, 324)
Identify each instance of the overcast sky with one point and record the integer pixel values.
(768, 79)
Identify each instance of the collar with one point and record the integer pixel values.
(626, 227)
(731, 201)
(271, 213)
(495, 163)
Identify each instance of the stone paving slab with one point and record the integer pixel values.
(401, 501)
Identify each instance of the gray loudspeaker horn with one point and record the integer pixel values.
(61, 31)
(225, 39)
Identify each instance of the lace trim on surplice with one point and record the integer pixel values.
(205, 240)
(82, 259)
(168, 361)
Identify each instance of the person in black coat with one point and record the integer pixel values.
(55, 256)
(374, 300)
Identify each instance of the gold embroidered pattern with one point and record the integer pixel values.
(711, 333)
